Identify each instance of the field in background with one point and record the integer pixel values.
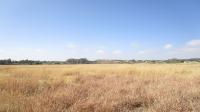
(100, 88)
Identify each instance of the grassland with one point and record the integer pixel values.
(100, 88)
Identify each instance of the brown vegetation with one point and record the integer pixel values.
(100, 88)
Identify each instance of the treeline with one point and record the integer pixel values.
(86, 61)
(33, 62)
(78, 61)
(27, 62)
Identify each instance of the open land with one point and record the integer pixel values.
(100, 88)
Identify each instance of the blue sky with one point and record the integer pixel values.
(99, 29)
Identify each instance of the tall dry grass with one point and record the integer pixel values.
(100, 88)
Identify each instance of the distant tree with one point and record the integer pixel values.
(78, 61)
(83, 61)
(6, 62)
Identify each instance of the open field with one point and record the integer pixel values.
(100, 88)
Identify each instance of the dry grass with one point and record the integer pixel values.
(100, 88)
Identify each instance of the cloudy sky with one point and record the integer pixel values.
(99, 29)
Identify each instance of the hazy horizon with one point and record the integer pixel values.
(99, 29)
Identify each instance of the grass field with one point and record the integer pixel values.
(100, 88)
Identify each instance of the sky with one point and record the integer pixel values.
(99, 29)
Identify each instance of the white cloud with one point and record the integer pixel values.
(38, 50)
(102, 47)
(189, 50)
(148, 51)
(100, 51)
(195, 42)
(135, 45)
(117, 52)
(192, 46)
(86, 50)
(168, 46)
(72, 46)
(1, 50)
(143, 52)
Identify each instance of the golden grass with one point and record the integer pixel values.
(100, 88)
